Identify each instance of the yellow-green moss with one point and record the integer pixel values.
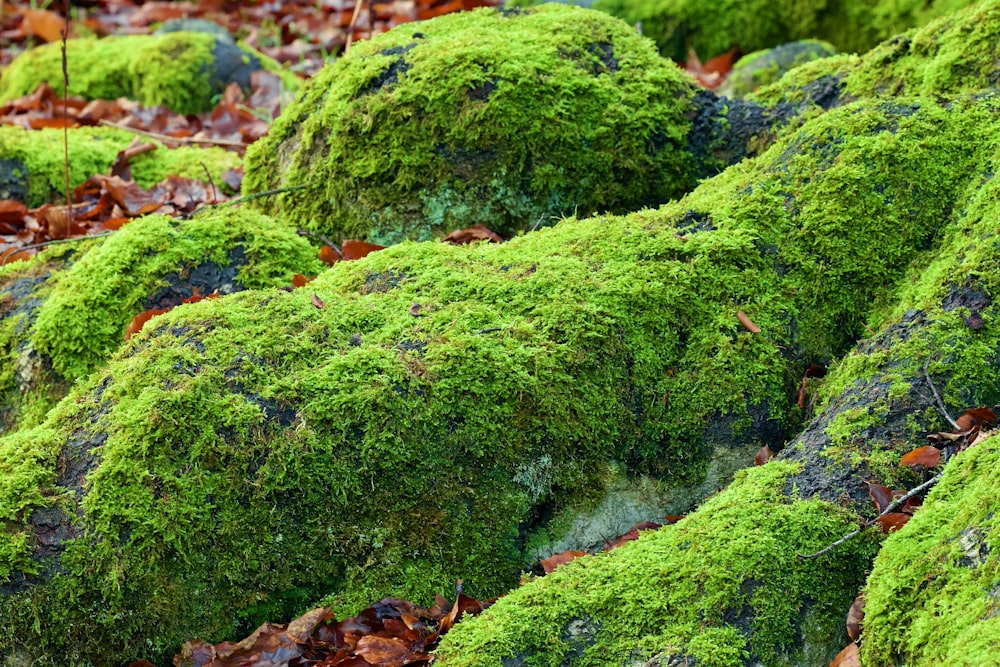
(32, 162)
(506, 118)
(724, 587)
(713, 28)
(379, 450)
(177, 70)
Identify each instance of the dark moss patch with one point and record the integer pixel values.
(203, 279)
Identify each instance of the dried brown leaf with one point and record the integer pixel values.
(763, 456)
(926, 456)
(855, 616)
(849, 657)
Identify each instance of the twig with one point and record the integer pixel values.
(490, 330)
(167, 138)
(65, 71)
(358, 4)
(938, 403)
(306, 232)
(34, 246)
(256, 195)
(893, 506)
(215, 191)
(540, 218)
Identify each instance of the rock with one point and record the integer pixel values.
(764, 67)
(392, 447)
(32, 167)
(65, 312)
(180, 70)
(508, 118)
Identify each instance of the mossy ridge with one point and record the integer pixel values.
(505, 118)
(66, 321)
(32, 162)
(682, 592)
(712, 29)
(953, 55)
(289, 409)
(180, 70)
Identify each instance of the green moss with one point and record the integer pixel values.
(64, 319)
(393, 446)
(724, 587)
(180, 70)
(932, 596)
(713, 28)
(32, 167)
(764, 67)
(508, 119)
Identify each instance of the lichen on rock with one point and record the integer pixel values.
(180, 70)
(32, 162)
(506, 118)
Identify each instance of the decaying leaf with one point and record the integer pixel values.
(849, 657)
(855, 617)
(473, 233)
(550, 564)
(764, 454)
(892, 521)
(329, 255)
(318, 302)
(926, 456)
(358, 249)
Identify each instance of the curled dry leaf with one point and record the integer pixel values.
(892, 521)
(747, 323)
(415, 309)
(473, 233)
(855, 617)
(849, 657)
(358, 249)
(552, 562)
(318, 302)
(881, 495)
(763, 456)
(926, 456)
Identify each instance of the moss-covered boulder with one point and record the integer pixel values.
(505, 118)
(443, 400)
(727, 587)
(766, 66)
(713, 28)
(32, 162)
(65, 312)
(180, 70)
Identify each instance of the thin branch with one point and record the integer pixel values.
(306, 232)
(215, 191)
(179, 140)
(65, 72)
(256, 195)
(358, 4)
(938, 403)
(893, 506)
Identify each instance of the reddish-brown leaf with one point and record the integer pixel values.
(139, 321)
(855, 616)
(12, 212)
(978, 416)
(763, 456)
(43, 24)
(892, 521)
(849, 657)
(747, 323)
(474, 233)
(552, 562)
(714, 71)
(358, 249)
(299, 280)
(926, 456)
(329, 255)
(880, 495)
(463, 605)
(383, 651)
(632, 534)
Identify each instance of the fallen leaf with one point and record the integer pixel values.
(892, 521)
(632, 534)
(415, 309)
(552, 562)
(329, 255)
(855, 616)
(43, 24)
(763, 456)
(849, 657)
(299, 280)
(139, 321)
(318, 302)
(473, 233)
(926, 456)
(881, 495)
(747, 322)
(358, 249)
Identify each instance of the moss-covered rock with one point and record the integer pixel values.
(32, 162)
(65, 312)
(408, 445)
(180, 70)
(506, 118)
(713, 28)
(764, 67)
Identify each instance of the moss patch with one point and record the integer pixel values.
(32, 162)
(509, 119)
(724, 587)
(180, 70)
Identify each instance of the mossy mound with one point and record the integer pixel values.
(443, 399)
(707, 591)
(713, 28)
(764, 67)
(180, 70)
(32, 162)
(504, 118)
(66, 311)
